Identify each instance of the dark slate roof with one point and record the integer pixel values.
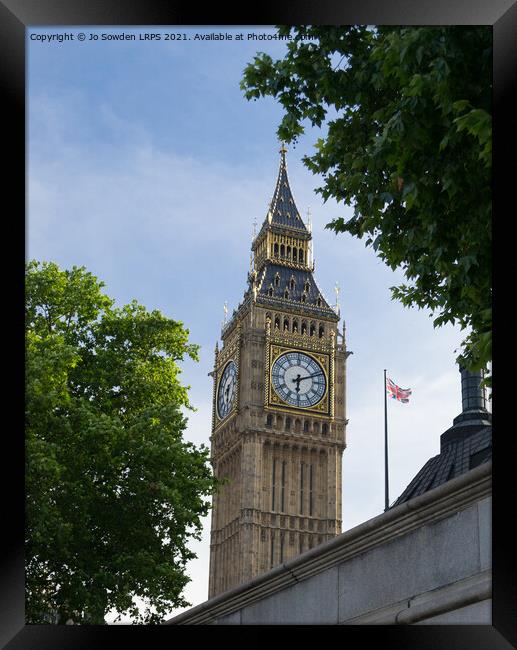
(301, 277)
(462, 449)
(283, 208)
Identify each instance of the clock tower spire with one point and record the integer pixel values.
(278, 426)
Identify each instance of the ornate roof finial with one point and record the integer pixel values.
(309, 219)
(283, 149)
(337, 290)
(225, 309)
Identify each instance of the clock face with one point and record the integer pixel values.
(298, 379)
(227, 390)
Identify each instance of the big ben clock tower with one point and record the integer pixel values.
(279, 419)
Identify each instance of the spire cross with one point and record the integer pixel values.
(225, 309)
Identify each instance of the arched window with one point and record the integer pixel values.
(318, 302)
(316, 427)
(300, 255)
(304, 297)
(286, 324)
(324, 428)
(304, 327)
(295, 254)
(292, 283)
(306, 426)
(275, 250)
(282, 250)
(277, 322)
(270, 291)
(288, 252)
(269, 420)
(286, 294)
(321, 331)
(287, 423)
(313, 329)
(295, 325)
(277, 280)
(297, 424)
(307, 287)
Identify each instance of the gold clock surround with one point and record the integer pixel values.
(227, 354)
(322, 351)
(322, 408)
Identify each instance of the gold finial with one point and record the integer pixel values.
(225, 309)
(309, 219)
(283, 149)
(337, 290)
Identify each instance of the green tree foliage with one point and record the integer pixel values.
(407, 116)
(114, 493)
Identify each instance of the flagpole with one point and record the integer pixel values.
(386, 488)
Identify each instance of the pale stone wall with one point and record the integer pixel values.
(425, 561)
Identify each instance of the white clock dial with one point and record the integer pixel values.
(226, 391)
(298, 379)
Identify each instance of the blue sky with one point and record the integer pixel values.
(147, 166)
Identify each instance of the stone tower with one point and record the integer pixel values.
(279, 415)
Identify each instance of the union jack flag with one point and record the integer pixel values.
(395, 392)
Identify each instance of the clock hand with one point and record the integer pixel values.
(316, 374)
(297, 381)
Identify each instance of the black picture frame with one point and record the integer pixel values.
(15, 17)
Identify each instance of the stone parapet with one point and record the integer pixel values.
(430, 555)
